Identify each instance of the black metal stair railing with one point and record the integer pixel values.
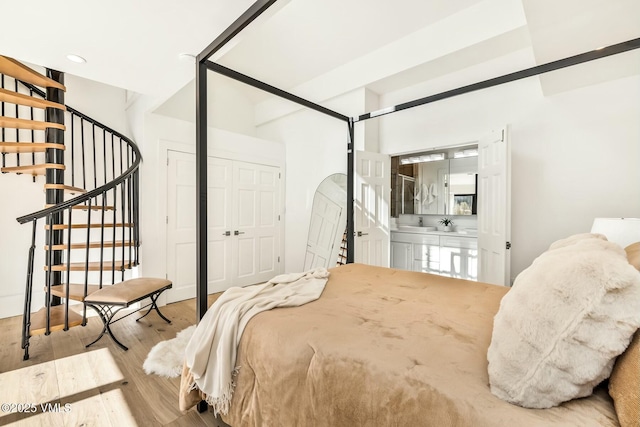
(127, 204)
(106, 164)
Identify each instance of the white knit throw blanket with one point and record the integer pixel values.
(211, 353)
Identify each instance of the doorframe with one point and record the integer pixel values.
(166, 145)
(507, 134)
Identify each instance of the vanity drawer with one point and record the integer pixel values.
(459, 242)
(426, 266)
(426, 239)
(423, 252)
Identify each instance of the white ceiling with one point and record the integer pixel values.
(311, 37)
(135, 44)
(131, 44)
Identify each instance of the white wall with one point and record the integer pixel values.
(99, 101)
(575, 155)
(22, 196)
(230, 105)
(316, 147)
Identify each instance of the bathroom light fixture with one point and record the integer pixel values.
(187, 57)
(469, 152)
(423, 158)
(76, 58)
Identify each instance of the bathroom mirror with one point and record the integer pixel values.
(328, 222)
(440, 182)
(462, 186)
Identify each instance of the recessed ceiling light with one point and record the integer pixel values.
(77, 59)
(187, 57)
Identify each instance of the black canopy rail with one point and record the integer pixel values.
(507, 78)
(251, 14)
(203, 64)
(228, 72)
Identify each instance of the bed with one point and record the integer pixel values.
(384, 347)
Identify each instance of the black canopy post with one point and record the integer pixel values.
(254, 11)
(350, 199)
(201, 190)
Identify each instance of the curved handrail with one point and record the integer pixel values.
(97, 191)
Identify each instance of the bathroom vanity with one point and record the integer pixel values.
(428, 186)
(425, 249)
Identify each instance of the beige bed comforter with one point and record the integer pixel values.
(383, 347)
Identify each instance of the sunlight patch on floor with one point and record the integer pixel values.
(77, 390)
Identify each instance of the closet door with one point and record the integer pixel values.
(181, 225)
(219, 224)
(243, 221)
(256, 219)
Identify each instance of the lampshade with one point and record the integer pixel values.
(622, 231)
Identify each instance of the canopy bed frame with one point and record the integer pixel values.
(204, 64)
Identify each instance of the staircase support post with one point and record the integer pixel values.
(55, 176)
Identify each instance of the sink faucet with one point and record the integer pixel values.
(420, 222)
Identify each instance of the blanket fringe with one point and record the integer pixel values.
(220, 404)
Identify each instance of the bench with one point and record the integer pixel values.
(109, 300)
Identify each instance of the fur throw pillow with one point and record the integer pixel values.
(558, 331)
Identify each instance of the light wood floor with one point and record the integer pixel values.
(103, 385)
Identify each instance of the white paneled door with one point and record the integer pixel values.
(373, 188)
(243, 224)
(494, 209)
(256, 222)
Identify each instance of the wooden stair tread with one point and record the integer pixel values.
(76, 291)
(93, 266)
(28, 101)
(15, 69)
(28, 147)
(68, 188)
(39, 320)
(107, 244)
(86, 207)
(85, 225)
(13, 123)
(32, 169)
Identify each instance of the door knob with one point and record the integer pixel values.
(236, 232)
(360, 234)
(227, 233)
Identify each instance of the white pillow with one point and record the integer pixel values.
(558, 331)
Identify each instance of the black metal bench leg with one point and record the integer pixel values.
(113, 337)
(106, 314)
(154, 306)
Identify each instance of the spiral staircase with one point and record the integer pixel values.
(89, 226)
